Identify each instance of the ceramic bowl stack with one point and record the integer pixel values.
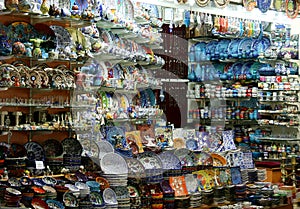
(123, 196)
(192, 187)
(261, 174)
(12, 197)
(135, 198)
(93, 185)
(84, 189)
(219, 197)
(110, 198)
(244, 174)
(240, 192)
(50, 192)
(115, 169)
(195, 200)
(208, 196)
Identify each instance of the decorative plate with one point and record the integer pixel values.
(202, 3)
(104, 148)
(64, 4)
(34, 151)
(218, 160)
(291, 8)
(179, 143)
(4, 149)
(109, 196)
(112, 132)
(221, 49)
(44, 78)
(49, 189)
(38, 203)
(13, 191)
(178, 184)
(110, 160)
(90, 148)
(72, 146)
(49, 180)
(264, 5)
(63, 37)
(135, 168)
(191, 183)
(14, 182)
(53, 148)
(103, 183)
(17, 150)
(191, 144)
(96, 199)
(236, 176)
(34, 79)
(150, 160)
(21, 31)
(233, 48)
(215, 141)
(221, 3)
(54, 204)
(121, 192)
(70, 200)
(203, 158)
(186, 157)
(245, 47)
(169, 161)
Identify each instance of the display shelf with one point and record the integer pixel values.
(13, 16)
(278, 139)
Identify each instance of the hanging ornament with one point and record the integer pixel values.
(291, 8)
(202, 3)
(264, 5)
(221, 3)
(249, 4)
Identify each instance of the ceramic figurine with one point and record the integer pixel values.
(24, 6)
(11, 4)
(28, 47)
(18, 49)
(35, 8)
(65, 12)
(44, 8)
(37, 52)
(75, 13)
(54, 11)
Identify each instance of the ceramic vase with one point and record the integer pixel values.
(11, 4)
(24, 6)
(18, 49)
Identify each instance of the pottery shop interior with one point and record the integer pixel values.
(142, 104)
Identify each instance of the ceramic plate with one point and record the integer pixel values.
(53, 148)
(103, 183)
(109, 196)
(38, 203)
(169, 161)
(54, 204)
(150, 160)
(191, 182)
(90, 148)
(96, 198)
(135, 168)
(70, 200)
(104, 148)
(21, 31)
(110, 160)
(71, 146)
(34, 151)
(112, 132)
(63, 37)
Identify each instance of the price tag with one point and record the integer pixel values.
(39, 165)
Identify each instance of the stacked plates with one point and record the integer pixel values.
(261, 174)
(93, 185)
(240, 192)
(195, 200)
(252, 175)
(50, 192)
(135, 199)
(208, 197)
(244, 174)
(84, 190)
(116, 179)
(219, 194)
(12, 197)
(123, 196)
(230, 193)
(110, 198)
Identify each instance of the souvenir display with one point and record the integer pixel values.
(91, 116)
